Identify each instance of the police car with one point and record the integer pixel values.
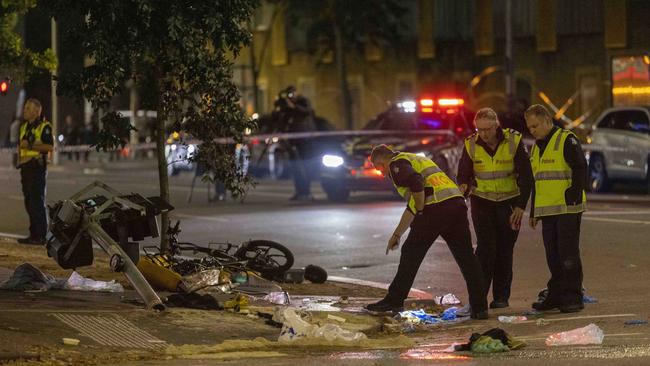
(430, 127)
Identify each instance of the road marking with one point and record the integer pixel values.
(617, 220)
(590, 213)
(208, 218)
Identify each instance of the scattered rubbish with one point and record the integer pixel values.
(344, 300)
(588, 299)
(636, 322)
(296, 275)
(294, 328)
(449, 314)
(237, 304)
(71, 341)
(465, 311)
(418, 317)
(493, 341)
(336, 318)
(203, 279)
(315, 274)
(256, 285)
(26, 277)
(542, 322)
(532, 312)
(279, 298)
(512, 319)
(448, 299)
(78, 282)
(591, 334)
(157, 272)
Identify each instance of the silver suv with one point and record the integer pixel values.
(619, 147)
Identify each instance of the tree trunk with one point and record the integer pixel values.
(343, 77)
(162, 173)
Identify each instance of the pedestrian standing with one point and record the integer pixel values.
(435, 208)
(495, 170)
(558, 200)
(36, 143)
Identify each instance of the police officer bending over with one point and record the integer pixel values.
(36, 143)
(558, 200)
(435, 207)
(495, 170)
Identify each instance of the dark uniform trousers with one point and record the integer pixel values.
(32, 177)
(561, 234)
(495, 242)
(449, 220)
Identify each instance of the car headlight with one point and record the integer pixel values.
(332, 161)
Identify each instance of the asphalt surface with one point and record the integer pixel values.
(349, 240)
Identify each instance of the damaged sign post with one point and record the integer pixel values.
(110, 220)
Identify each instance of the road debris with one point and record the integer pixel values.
(591, 334)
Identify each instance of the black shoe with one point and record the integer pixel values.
(384, 306)
(31, 241)
(544, 305)
(499, 304)
(571, 308)
(480, 315)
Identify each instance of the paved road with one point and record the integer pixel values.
(349, 240)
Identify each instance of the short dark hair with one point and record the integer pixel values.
(538, 110)
(380, 151)
(486, 113)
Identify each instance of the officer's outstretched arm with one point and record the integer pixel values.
(404, 223)
(43, 148)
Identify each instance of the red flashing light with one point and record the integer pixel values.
(4, 86)
(448, 102)
(426, 102)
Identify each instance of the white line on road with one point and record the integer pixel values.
(617, 220)
(208, 218)
(581, 317)
(592, 213)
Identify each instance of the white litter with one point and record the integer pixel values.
(78, 282)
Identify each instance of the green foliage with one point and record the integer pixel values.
(183, 48)
(17, 60)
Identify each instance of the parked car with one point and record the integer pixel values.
(618, 147)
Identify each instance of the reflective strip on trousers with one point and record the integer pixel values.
(493, 175)
(560, 209)
(496, 196)
(442, 195)
(553, 175)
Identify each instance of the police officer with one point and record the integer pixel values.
(558, 200)
(36, 143)
(495, 170)
(435, 207)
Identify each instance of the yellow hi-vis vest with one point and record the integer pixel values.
(495, 175)
(553, 177)
(28, 154)
(443, 187)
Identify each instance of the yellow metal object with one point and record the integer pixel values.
(157, 272)
(238, 303)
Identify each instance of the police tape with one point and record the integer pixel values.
(266, 139)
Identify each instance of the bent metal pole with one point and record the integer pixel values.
(140, 284)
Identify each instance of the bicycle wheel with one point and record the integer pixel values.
(267, 257)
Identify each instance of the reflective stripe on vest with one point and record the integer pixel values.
(434, 178)
(553, 177)
(495, 175)
(28, 154)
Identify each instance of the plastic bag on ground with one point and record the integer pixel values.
(203, 279)
(591, 334)
(418, 317)
(294, 328)
(449, 314)
(80, 283)
(448, 299)
(512, 319)
(278, 297)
